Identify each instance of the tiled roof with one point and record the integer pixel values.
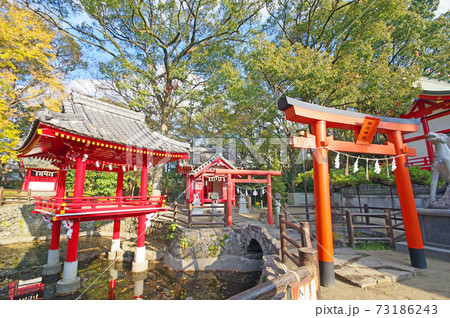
(89, 117)
(434, 87)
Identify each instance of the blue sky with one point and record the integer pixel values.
(94, 57)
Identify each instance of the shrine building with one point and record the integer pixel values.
(40, 175)
(90, 134)
(432, 107)
(202, 181)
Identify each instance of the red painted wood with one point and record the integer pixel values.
(78, 189)
(269, 200)
(142, 218)
(26, 182)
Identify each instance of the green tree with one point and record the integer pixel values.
(33, 60)
(160, 52)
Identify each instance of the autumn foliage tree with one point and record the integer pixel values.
(33, 60)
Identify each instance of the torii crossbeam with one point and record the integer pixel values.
(365, 126)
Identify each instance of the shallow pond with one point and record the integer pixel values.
(101, 279)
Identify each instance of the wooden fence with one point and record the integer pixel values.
(183, 214)
(383, 221)
(14, 196)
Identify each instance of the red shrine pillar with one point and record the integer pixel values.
(53, 265)
(407, 203)
(116, 253)
(26, 182)
(140, 264)
(229, 200)
(269, 200)
(323, 205)
(70, 282)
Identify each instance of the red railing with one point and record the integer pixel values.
(423, 162)
(90, 208)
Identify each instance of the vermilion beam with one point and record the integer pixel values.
(348, 146)
(307, 113)
(247, 172)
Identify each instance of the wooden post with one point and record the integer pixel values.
(282, 239)
(351, 238)
(269, 200)
(225, 213)
(407, 203)
(366, 210)
(309, 257)
(229, 202)
(190, 216)
(285, 211)
(175, 210)
(1, 195)
(305, 234)
(26, 182)
(389, 229)
(29, 196)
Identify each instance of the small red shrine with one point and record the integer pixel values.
(432, 107)
(92, 135)
(40, 175)
(202, 181)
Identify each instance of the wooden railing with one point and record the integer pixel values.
(88, 208)
(302, 277)
(182, 213)
(391, 221)
(14, 196)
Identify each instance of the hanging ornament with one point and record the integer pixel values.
(135, 168)
(355, 166)
(367, 169)
(97, 164)
(110, 166)
(337, 162)
(377, 169)
(262, 191)
(237, 190)
(255, 193)
(346, 168)
(394, 164)
(246, 192)
(124, 169)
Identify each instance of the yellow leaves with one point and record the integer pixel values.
(27, 76)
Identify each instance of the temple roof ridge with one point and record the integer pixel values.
(88, 101)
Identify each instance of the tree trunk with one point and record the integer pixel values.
(157, 176)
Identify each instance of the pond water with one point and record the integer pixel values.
(101, 279)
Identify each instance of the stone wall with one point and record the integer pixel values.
(224, 249)
(17, 224)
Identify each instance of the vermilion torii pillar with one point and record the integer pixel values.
(365, 126)
(248, 173)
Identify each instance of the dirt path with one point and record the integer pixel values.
(429, 284)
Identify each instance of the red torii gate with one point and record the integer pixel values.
(364, 126)
(248, 173)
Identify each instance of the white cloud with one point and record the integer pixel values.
(444, 6)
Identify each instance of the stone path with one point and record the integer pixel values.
(361, 269)
(356, 267)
